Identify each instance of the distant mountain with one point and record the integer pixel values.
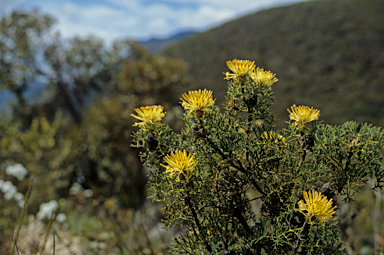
(156, 45)
(328, 54)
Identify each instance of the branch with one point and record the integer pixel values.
(298, 240)
(243, 222)
(237, 166)
(63, 89)
(194, 214)
(346, 167)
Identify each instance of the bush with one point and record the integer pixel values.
(208, 174)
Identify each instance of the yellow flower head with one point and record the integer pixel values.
(179, 163)
(197, 101)
(276, 138)
(303, 114)
(239, 68)
(148, 114)
(264, 77)
(316, 206)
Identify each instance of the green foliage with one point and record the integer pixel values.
(328, 54)
(151, 78)
(88, 167)
(23, 36)
(235, 156)
(94, 150)
(32, 54)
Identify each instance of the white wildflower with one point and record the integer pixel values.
(75, 189)
(8, 189)
(88, 193)
(61, 217)
(46, 209)
(17, 170)
(21, 203)
(19, 196)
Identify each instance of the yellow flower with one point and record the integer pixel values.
(316, 206)
(179, 163)
(264, 77)
(197, 101)
(273, 136)
(148, 114)
(303, 114)
(239, 68)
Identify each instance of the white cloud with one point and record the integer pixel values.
(75, 20)
(116, 19)
(207, 15)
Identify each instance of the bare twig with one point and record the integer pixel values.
(47, 234)
(21, 217)
(17, 250)
(54, 242)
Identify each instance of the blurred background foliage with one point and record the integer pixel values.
(74, 140)
(327, 54)
(74, 136)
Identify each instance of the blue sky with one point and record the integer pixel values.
(139, 19)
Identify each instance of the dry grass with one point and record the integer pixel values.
(58, 242)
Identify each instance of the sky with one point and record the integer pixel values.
(139, 19)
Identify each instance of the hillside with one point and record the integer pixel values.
(326, 54)
(157, 44)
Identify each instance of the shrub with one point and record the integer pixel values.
(208, 174)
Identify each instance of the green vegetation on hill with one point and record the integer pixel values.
(327, 54)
